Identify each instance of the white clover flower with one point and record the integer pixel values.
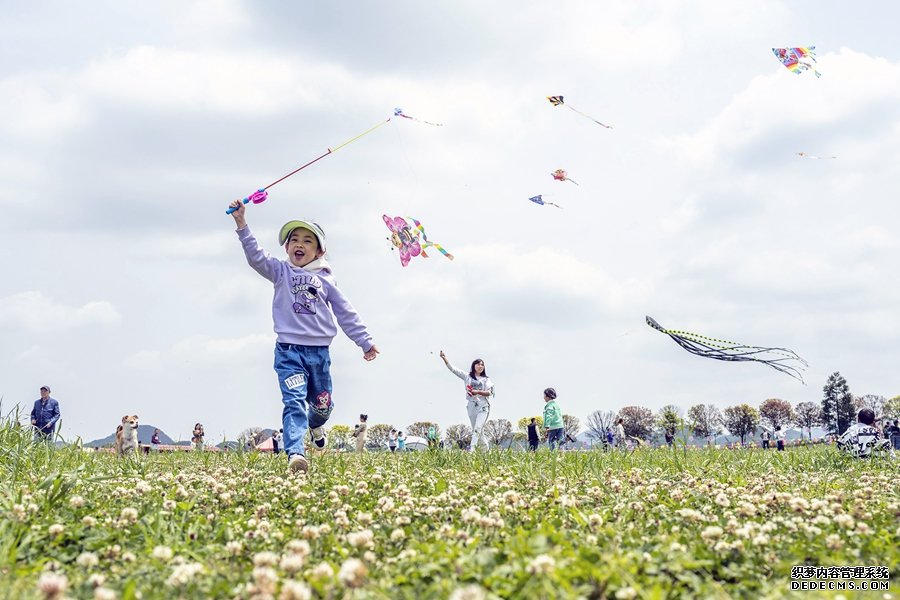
(265, 579)
(56, 529)
(712, 533)
(163, 553)
(95, 580)
(102, 593)
(265, 559)
(143, 487)
(169, 505)
(294, 590)
(87, 560)
(182, 574)
(291, 563)
(234, 547)
(398, 535)
(469, 592)
(722, 500)
(541, 565)
(322, 571)
(595, 520)
(76, 501)
(845, 521)
(369, 556)
(129, 515)
(626, 593)
(360, 539)
(53, 585)
(364, 519)
(353, 573)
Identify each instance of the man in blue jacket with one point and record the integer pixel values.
(44, 416)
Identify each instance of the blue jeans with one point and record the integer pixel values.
(555, 437)
(305, 391)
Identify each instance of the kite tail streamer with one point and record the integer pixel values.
(589, 117)
(260, 195)
(398, 112)
(428, 244)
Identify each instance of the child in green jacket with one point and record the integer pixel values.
(553, 421)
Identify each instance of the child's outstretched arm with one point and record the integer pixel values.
(459, 373)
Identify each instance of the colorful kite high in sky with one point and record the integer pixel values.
(558, 101)
(560, 175)
(406, 239)
(805, 155)
(798, 60)
(539, 200)
(780, 359)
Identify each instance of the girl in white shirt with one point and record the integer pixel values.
(479, 391)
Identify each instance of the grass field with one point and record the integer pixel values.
(655, 523)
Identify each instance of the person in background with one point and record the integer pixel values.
(780, 438)
(44, 416)
(533, 437)
(862, 438)
(360, 432)
(401, 442)
(621, 440)
(392, 440)
(479, 391)
(276, 440)
(154, 440)
(765, 437)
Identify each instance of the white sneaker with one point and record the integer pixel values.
(320, 438)
(298, 463)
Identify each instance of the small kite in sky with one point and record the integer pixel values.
(560, 175)
(558, 101)
(398, 112)
(539, 200)
(780, 359)
(805, 155)
(406, 239)
(798, 60)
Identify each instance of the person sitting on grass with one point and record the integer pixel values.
(862, 438)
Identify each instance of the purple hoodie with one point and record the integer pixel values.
(305, 302)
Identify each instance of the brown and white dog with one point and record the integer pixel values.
(126, 435)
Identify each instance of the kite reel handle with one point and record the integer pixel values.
(257, 197)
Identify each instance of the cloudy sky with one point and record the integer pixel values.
(128, 127)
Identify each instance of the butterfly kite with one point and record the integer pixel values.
(560, 175)
(260, 195)
(780, 359)
(558, 101)
(406, 239)
(798, 60)
(539, 200)
(805, 155)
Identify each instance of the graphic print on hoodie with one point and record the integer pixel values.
(305, 289)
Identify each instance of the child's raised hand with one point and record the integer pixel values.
(238, 214)
(373, 351)
(444, 356)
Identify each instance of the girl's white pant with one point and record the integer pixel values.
(479, 409)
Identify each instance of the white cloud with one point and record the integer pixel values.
(35, 312)
(39, 108)
(205, 349)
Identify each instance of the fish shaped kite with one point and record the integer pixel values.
(539, 200)
(798, 60)
(398, 112)
(558, 101)
(406, 239)
(805, 155)
(780, 359)
(560, 175)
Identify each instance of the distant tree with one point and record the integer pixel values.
(459, 435)
(571, 425)
(420, 429)
(497, 430)
(837, 404)
(598, 422)
(705, 421)
(339, 436)
(377, 435)
(251, 437)
(523, 423)
(741, 420)
(872, 401)
(638, 422)
(775, 412)
(668, 419)
(892, 409)
(807, 415)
